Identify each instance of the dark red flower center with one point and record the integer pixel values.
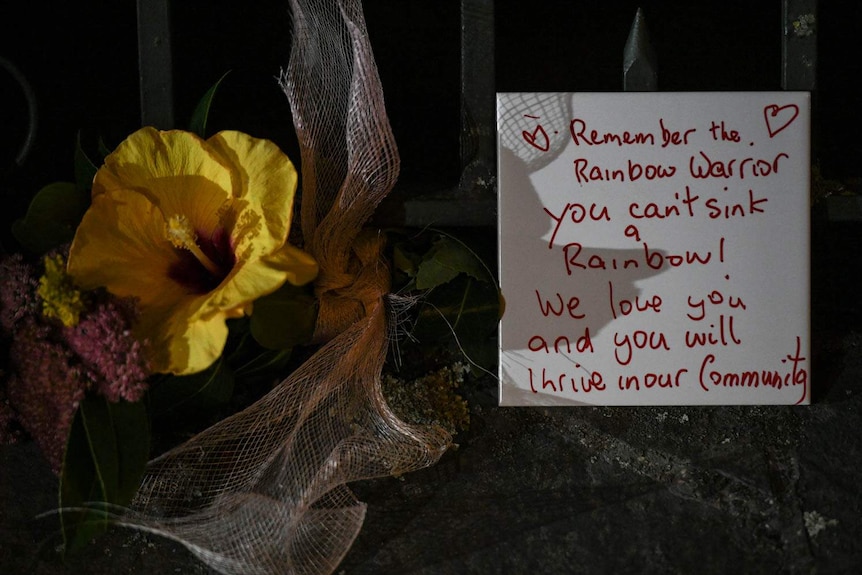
(193, 275)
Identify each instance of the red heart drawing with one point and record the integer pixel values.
(532, 139)
(779, 117)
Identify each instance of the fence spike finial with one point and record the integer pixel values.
(640, 70)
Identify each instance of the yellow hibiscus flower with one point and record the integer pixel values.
(194, 230)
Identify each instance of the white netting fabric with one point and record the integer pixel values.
(263, 492)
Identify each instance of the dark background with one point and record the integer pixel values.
(598, 490)
(81, 58)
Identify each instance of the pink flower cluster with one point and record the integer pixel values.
(17, 300)
(112, 359)
(17, 291)
(50, 368)
(44, 387)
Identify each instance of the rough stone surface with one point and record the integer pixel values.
(633, 490)
(559, 490)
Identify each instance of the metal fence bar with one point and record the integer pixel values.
(473, 201)
(478, 108)
(155, 64)
(799, 45)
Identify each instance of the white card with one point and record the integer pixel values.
(654, 248)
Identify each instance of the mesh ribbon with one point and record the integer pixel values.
(263, 492)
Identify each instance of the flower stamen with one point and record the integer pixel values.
(179, 231)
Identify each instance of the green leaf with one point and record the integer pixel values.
(105, 458)
(103, 148)
(405, 260)
(249, 360)
(269, 363)
(467, 307)
(198, 122)
(210, 388)
(284, 318)
(52, 218)
(79, 484)
(85, 169)
(446, 259)
(467, 310)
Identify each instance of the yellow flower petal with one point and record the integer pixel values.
(265, 178)
(119, 244)
(196, 231)
(300, 267)
(175, 170)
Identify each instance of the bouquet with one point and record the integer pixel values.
(198, 347)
